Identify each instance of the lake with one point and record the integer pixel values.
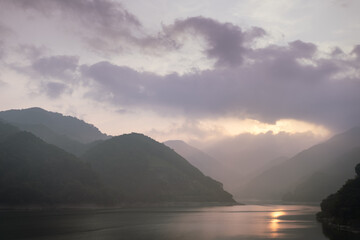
(221, 223)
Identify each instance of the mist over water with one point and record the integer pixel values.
(233, 222)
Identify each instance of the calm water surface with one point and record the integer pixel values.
(221, 223)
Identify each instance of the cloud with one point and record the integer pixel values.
(108, 28)
(356, 52)
(225, 41)
(54, 89)
(57, 74)
(2, 49)
(267, 84)
(98, 22)
(2, 83)
(52, 75)
(60, 67)
(337, 51)
(277, 83)
(31, 52)
(5, 32)
(302, 49)
(189, 130)
(105, 16)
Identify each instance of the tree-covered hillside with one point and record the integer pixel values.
(124, 170)
(59, 124)
(206, 164)
(343, 207)
(33, 172)
(139, 169)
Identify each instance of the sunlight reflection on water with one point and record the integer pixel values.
(274, 223)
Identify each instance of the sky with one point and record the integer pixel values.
(199, 71)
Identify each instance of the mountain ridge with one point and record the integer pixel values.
(282, 179)
(72, 127)
(142, 169)
(206, 163)
(33, 172)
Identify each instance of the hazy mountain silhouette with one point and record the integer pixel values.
(50, 124)
(246, 155)
(268, 165)
(282, 179)
(139, 169)
(205, 163)
(327, 179)
(61, 141)
(33, 172)
(134, 168)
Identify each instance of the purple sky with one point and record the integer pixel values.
(198, 71)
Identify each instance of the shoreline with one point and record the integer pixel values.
(118, 206)
(329, 222)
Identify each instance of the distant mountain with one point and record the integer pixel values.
(246, 155)
(269, 164)
(205, 163)
(51, 125)
(133, 167)
(252, 175)
(282, 179)
(139, 169)
(6, 130)
(33, 172)
(341, 210)
(327, 179)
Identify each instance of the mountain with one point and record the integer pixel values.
(33, 172)
(6, 130)
(205, 163)
(39, 120)
(61, 141)
(283, 178)
(252, 175)
(139, 169)
(327, 179)
(269, 164)
(342, 209)
(247, 155)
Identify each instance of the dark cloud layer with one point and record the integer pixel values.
(356, 52)
(225, 40)
(54, 89)
(107, 27)
(106, 16)
(57, 74)
(267, 84)
(276, 85)
(60, 67)
(98, 22)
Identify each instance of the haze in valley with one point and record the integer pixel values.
(248, 84)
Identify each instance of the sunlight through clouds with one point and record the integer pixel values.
(232, 126)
